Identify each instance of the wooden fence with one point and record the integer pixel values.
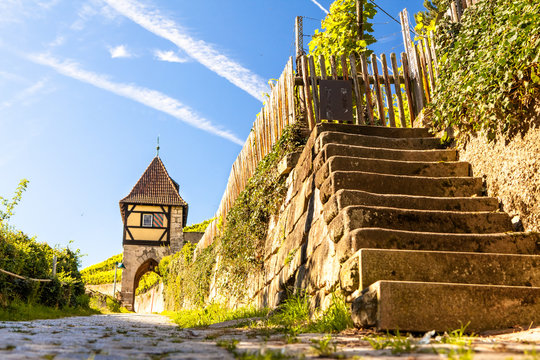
(296, 95)
(278, 111)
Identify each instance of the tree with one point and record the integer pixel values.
(339, 33)
(425, 20)
(7, 212)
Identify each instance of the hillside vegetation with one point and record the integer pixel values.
(103, 272)
(489, 66)
(23, 255)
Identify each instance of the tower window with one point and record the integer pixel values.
(147, 220)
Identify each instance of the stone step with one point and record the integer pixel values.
(392, 167)
(343, 198)
(504, 243)
(360, 216)
(421, 306)
(382, 131)
(368, 266)
(400, 184)
(421, 143)
(330, 150)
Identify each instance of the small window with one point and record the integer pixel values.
(147, 220)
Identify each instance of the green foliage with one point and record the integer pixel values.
(339, 33)
(324, 347)
(489, 68)
(103, 272)
(396, 343)
(8, 205)
(213, 314)
(200, 227)
(24, 256)
(241, 243)
(19, 310)
(335, 319)
(147, 281)
(187, 281)
(294, 317)
(425, 20)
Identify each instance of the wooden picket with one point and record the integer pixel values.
(297, 93)
(371, 91)
(278, 111)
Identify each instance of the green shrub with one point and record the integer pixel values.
(489, 68)
(200, 227)
(103, 272)
(213, 313)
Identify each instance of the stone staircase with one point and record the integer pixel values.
(421, 247)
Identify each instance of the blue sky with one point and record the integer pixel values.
(87, 86)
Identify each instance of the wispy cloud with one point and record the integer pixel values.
(169, 56)
(153, 21)
(148, 97)
(120, 51)
(320, 6)
(58, 41)
(24, 95)
(90, 9)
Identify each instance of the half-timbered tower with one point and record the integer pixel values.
(153, 214)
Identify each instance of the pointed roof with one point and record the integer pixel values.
(155, 187)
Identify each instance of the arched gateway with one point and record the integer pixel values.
(154, 215)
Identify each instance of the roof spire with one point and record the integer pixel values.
(157, 148)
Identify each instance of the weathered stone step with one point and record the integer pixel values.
(330, 150)
(421, 306)
(359, 216)
(368, 266)
(421, 143)
(400, 184)
(505, 243)
(392, 167)
(343, 198)
(382, 131)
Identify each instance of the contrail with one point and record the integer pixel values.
(148, 97)
(320, 6)
(153, 21)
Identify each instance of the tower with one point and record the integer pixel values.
(153, 215)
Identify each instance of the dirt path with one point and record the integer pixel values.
(135, 336)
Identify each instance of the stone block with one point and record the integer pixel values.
(343, 198)
(400, 184)
(369, 130)
(506, 243)
(389, 154)
(420, 306)
(287, 163)
(448, 267)
(332, 137)
(355, 217)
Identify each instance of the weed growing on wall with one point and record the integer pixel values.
(489, 67)
(241, 243)
(238, 251)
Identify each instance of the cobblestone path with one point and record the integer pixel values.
(135, 336)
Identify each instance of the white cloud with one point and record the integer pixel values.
(148, 97)
(169, 56)
(120, 51)
(153, 21)
(58, 41)
(24, 95)
(320, 6)
(90, 9)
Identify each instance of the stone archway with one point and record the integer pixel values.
(138, 260)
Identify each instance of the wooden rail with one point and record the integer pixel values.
(278, 111)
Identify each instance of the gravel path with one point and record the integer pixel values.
(137, 336)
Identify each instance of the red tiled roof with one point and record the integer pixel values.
(155, 187)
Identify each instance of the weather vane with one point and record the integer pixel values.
(157, 148)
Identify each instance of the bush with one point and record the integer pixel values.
(103, 272)
(489, 68)
(200, 227)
